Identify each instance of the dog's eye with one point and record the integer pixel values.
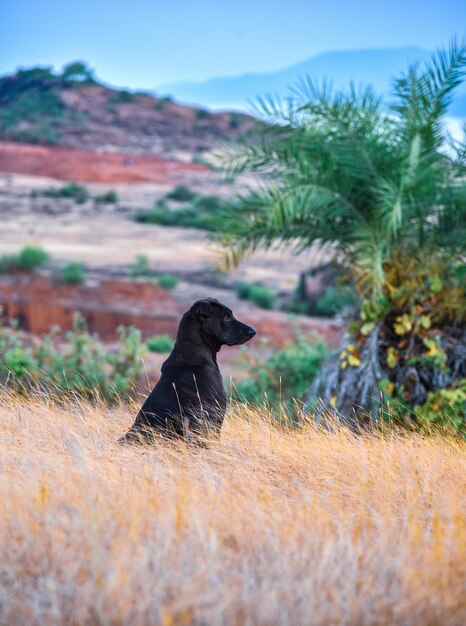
(227, 318)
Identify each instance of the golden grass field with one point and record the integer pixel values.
(269, 527)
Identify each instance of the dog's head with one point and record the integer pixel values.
(219, 325)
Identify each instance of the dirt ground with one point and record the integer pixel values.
(106, 237)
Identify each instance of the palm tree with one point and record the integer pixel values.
(381, 187)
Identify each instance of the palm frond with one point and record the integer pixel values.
(423, 95)
(343, 170)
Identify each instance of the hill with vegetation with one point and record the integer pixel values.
(74, 109)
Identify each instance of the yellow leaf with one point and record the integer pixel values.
(433, 347)
(333, 400)
(436, 284)
(354, 360)
(367, 328)
(343, 365)
(402, 324)
(426, 321)
(343, 354)
(392, 357)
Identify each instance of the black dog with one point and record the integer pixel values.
(189, 400)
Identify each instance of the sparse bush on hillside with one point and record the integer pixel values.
(42, 133)
(206, 213)
(27, 260)
(107, 198)
(335, 299)
(182, 193)
(122, 96)
(7, 264)
(234, 120)
(141, 267)
(160, 343)
(78, 119)
(83, 367)
(30, 107)
(160, 215)
(31, 258)
(162, 103)
(243, 290)
(75, 191)
(209, 203)
(202, 114)
(261, 296)
(73, 273)
(77, 72)
(167, 281)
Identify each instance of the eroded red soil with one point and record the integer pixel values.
(38, 304)
(86, 166)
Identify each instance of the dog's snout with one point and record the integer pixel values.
(251, 331)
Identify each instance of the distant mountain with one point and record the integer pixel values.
(375, 67)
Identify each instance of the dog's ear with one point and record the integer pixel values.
(204, 309)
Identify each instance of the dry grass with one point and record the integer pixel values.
(268, 527)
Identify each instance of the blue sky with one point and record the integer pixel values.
(144, 43)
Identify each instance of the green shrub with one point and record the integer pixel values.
(31, 109)
(209, 203)
(122, 96)
(295, 305)
(73, 273)
(202, 114)
(335, 299)
(206, 213)
(162, 103)
(161, 215)
(43, 132)
(286, 375)
(243, 290)
(234, 120)
(107, 198)
(160, 343)
(77, 72)
(141, 267)
(167, 281)
(182, 193)
(31, 258)
(81, 366)
(7, 264)
(78, 192)
(260, 295)
(445, 408)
